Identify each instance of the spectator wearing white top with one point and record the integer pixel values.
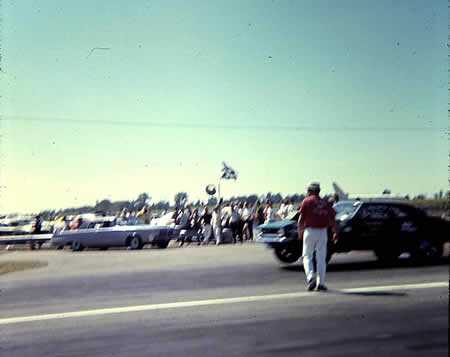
(247, 218)
(216, 223)
(269, 213)
(283, 210)
(290, 207)
(247, 212)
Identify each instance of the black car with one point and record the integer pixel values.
(387, 227)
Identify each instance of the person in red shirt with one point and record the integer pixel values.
(316, 216)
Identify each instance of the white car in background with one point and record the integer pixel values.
(103, 234)
(20, 225)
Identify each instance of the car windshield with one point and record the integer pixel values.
(345, 209)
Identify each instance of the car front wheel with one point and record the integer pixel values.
(135, 243)
(77, 246)
(288, 253)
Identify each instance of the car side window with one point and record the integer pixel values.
(374, 212)
(400, 212)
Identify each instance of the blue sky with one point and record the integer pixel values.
(285, 91)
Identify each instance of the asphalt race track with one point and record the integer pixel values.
(219, 301)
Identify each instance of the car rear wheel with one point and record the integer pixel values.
(288, 253)
(77, 246)
(428, 251)
(135, 243)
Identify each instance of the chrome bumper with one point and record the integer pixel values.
(271, 238)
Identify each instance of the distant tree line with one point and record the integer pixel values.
(109, 207)
(439, 202)
(181, 199)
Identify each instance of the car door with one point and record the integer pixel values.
(90, 236)
(372, 226)
(111, 237)
(406, 225)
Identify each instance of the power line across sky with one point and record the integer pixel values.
(191, 125)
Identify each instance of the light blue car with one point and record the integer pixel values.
(132, 237)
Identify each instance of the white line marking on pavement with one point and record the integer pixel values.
(242, 299)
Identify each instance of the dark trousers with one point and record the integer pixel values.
(250, 228)
(236, 231)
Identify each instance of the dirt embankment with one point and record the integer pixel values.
(20, 265)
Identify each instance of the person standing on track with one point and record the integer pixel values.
(269, 213)
(235, 219)
(289, 207)
(316, 216)
(259, 213)
(36, 227)
(282, 211)
(216, 222)
(247, 218)
(206, 226)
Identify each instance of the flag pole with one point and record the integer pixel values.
(218, 190)
(219, 206)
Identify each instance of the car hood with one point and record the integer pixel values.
(277, 224)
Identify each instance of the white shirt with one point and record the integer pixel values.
(215, 220)
(282, 212)
(269, 215)
(290, 208)
(246, 213)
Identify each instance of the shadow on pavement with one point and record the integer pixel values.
(373, 293)
(372, 265)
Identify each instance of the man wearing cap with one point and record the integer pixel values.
(316, 215)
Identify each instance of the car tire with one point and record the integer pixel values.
(77, 246)
(288, 253)
(134, 243)
(428, 251)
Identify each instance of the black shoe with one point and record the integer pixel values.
(321, 287)
(310, 285)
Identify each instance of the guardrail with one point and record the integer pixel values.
(25, 239)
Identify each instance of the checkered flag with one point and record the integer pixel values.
(228, 173)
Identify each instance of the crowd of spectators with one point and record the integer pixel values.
(231, 221)
(235, 219)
